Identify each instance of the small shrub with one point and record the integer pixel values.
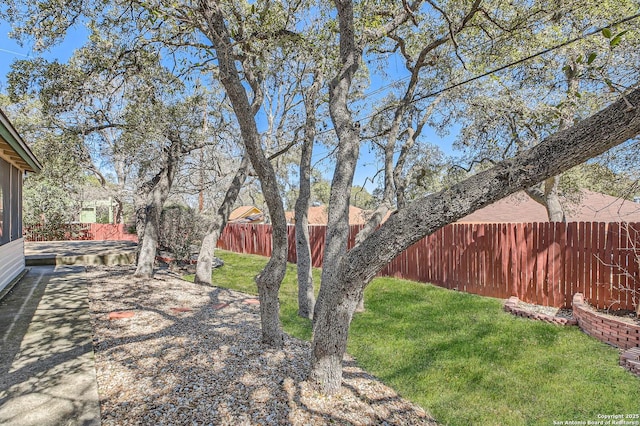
(181, 230)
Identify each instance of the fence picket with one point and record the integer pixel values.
(559, 282)
(584, 236)
(521, 260)
(624, 264)
(543, 263)
(617, 278)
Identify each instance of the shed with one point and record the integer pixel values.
(15, 160)
(246, 214)
(318, 215)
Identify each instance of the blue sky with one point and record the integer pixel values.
(10, 50)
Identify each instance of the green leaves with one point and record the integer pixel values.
(614, 41)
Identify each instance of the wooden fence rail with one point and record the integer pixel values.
(541, 263)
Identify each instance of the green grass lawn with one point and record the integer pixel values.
(461, 357)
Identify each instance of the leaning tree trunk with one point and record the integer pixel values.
(210, 240)
(270, 278)
(556, 154)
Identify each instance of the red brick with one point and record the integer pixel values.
(121, 315)
(218, 306)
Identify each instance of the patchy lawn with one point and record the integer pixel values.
(461, 357)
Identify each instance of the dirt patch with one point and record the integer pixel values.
(547, 310)
(539, 313)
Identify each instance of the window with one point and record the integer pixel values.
(5, 187)
(1, 213)
(10, 202)
(16, 207)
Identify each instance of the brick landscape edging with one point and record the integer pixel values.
(630, 359)
(617, 333)
(511, 306)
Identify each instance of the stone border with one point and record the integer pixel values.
(630, 359)
(609, 330)
(511, 306)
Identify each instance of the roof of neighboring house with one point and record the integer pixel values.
(13, 149)
(318, 215)
(246, 214)
(593, 207)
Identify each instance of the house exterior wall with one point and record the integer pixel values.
(11, 241)
(11, 261)
(16, 158)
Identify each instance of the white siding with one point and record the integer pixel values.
(11, 261)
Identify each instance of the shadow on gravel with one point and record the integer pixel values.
(193, 354)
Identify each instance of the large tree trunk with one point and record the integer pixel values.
(210, 240)
(270, 278)
(149, 244)
(556, 154)
(330, 333)
(326, 359)
(150, 227)
(332, 316)
(306, 296)
(141, 219)
(157, 191)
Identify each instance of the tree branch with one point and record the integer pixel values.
(557, 153)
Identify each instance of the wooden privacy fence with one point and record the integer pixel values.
(78, 231)
(541, 263)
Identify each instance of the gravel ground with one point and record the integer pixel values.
(548, 310)
(192, 354)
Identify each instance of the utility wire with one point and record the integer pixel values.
(504, 36)
(501, 68)
(576, 5)
(13, 53)
(535, 55)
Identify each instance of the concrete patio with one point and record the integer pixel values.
(80, 253)
(47, 369)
